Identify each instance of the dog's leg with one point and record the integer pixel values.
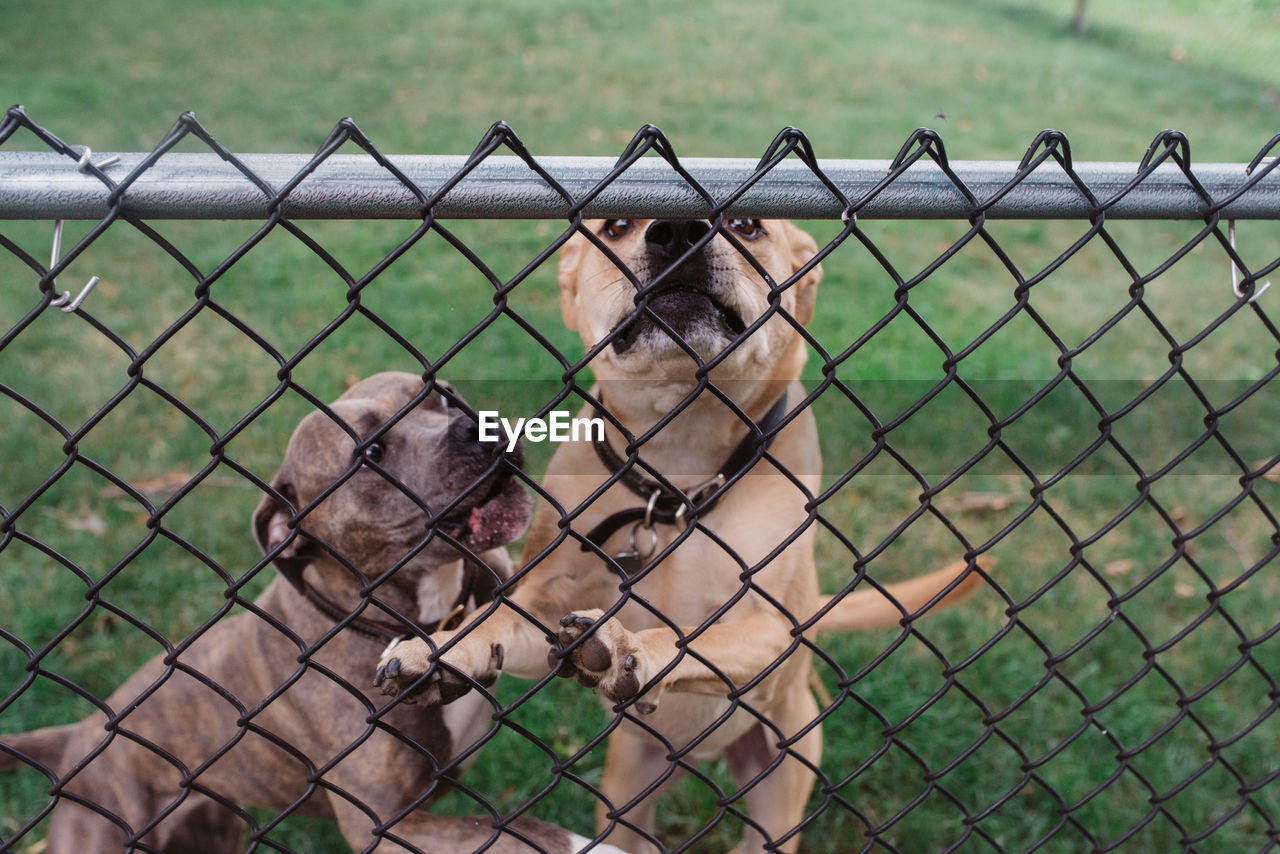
(46, 746)
(621, 662)
(635, 762)
(77, 828)
(777, 801)
(504, 640)
(421, 831)
(197, 826)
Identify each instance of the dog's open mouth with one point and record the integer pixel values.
(686, 309)
(497, 518)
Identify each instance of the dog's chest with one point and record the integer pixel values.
(686, 585)
(697, 724)
(438, 591)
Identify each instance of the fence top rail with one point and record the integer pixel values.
(48, 185)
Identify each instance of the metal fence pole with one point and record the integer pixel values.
(46, 185)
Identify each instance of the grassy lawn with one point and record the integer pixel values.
(1113, 688)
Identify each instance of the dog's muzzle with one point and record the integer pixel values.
(681, 295)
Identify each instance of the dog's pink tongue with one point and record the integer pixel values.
(491, 517)
(501, 518)
(475, 521)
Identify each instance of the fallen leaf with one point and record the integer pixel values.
(160, 483)
(977, 501)
(90, 522)
(986, 501)
(1117, 568)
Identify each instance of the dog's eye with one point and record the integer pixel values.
(748, 228)
(375, 452)
(616, 227)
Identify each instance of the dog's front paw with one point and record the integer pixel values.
(610, 659)
(411, 668)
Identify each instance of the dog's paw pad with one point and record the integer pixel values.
(594, 656)
(606, 660)
(624, 686)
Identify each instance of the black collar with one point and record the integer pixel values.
(477, 583)
(668, 506)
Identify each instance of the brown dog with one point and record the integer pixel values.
(235, 718)
(710, 545)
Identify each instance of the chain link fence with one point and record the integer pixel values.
(1059, 375)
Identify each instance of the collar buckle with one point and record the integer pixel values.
(695, 497)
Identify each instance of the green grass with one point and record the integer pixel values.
(1002, 754)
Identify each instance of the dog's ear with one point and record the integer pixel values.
(570, 260)
(271, 528)
(803, 248)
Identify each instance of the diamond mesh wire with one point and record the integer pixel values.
(1082, 406)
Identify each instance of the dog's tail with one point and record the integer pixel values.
(873, 608)
(43, 746)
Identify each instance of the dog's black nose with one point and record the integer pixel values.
(463, 429)
(464, 437)
(675, 236)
